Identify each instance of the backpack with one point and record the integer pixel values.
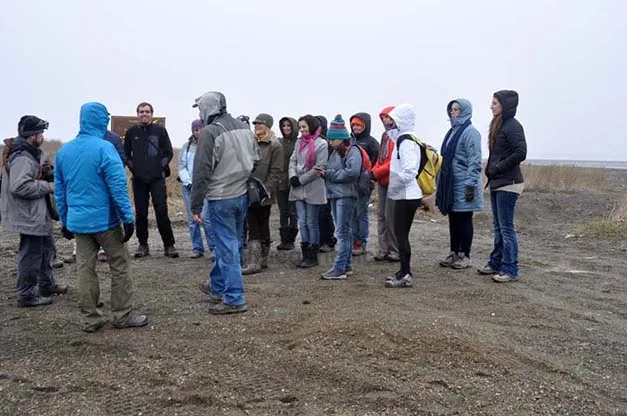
(430, 164)
(363, 184)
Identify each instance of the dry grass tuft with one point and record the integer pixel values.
(614, 225)
(564, 178)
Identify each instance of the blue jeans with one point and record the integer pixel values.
(34, 266)
(360, 219)
(308, 222)
(194, 229)
(225, 278)
(504, 257)
(343, 210)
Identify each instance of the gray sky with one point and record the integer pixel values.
(567, 60)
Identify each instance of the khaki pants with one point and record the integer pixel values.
(87, 246)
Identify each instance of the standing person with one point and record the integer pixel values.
(307, 187)
(186, 168)
(388, 245)
(287, 211)
(94, 207)
(149, 152)
(325, 217)
(341, 176)
(459, 191)
(269, 171)
(360, 127)
(508, 148)
(226, 154)
(403, 187)
(26, 208)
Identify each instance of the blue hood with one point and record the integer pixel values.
(94, 120)
(464, 115)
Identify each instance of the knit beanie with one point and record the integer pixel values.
(196, 124)
(337, 129)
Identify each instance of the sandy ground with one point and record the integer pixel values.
(455, 344)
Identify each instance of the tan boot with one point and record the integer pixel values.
(254, 260)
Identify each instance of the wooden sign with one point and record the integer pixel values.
(119, 124)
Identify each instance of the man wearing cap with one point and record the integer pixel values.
(226, 154)
(24, 210)
(269, 171)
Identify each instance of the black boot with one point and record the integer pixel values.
(304, 249)
(312, 256)
(284, 232)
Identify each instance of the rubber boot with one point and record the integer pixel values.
(254, 261)
(304, 249)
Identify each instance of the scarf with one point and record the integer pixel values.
(307, 145)
(444, 193)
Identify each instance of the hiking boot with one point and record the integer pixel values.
(53, 290)
(405, 281)
(334, 275)
(95, 327)
(254, 259)
(449, 260)
(70, 260)
(357, 248)
(462, 262)
(142, 251)
(285, 246)
(102, 257)
(196, 255)
(311, 256)
(326, 248)
(380, 256)
(304, 249)
(504, 278)
(225, 309)
(134, 321)
(393, 257)
(57, 264)
(349, 271)
(170, 252)
(287, 242)
(33, 303)
(487, 270)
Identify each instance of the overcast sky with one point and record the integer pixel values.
(567, 60)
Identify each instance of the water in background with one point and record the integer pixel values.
(582, 163)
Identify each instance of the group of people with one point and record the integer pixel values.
(321, 175)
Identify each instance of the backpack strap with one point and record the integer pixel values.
(422, 146)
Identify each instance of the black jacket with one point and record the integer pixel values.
(148, 152)
(510, 147)
(365, 140)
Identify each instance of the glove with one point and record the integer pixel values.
(129, 229)
(67, 234)
(294, 181)
(188, 186)
(470, 193)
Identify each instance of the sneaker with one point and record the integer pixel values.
(134, 321)
(170, 252)
(95, 327)
(357, 248)
(349, 271)
(70, 260)
(462, 262)
(142, 251)
(225, 309)
(393, 257)
(487, 270)
(196, 255)
(404, 281)
(504, 278)
(380, 256)
(326, 248)
(33, 303)
(53, 290)
(449, 260)
(334, 275)
(396, 276)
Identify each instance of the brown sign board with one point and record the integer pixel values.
(119, 124)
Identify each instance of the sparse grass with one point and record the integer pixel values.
(614, 225)
(564, 178)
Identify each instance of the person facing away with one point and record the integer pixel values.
(341, 176)
(26, 209)
(94, 207)
(459, 191)
(226, 155)
(269, 170)
(403, 188)
(149, 152)
(508, 149)
(186, 169)
(288, 228)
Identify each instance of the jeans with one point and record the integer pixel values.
(194, 228)
(157, 190)
(504, 257)
(343, 210)
(385, 222)
(360, 219)
(404, 212)
(34, 265)
(461, 231)
(308, 222)
(225, 278)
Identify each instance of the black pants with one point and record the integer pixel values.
(404, 212)
(461, 230)
(326, 225)
(157, 190)
(287, 210)
(258, 219)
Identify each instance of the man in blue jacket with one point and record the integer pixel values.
(92, 200)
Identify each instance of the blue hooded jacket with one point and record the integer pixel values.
(90, 183)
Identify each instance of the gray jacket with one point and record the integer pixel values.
(312, 189)
(342, 174)
(22, 203)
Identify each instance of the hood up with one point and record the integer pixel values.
(509, 102)
(464, 115)
(365, 117)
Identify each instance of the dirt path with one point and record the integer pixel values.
(456, 343)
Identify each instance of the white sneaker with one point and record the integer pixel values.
(461, 263)
(404, 281)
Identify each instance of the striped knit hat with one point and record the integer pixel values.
(337, 129)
